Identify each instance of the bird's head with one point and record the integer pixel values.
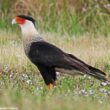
(23, 19)
(26, 23)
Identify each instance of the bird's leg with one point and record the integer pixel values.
(50, 86)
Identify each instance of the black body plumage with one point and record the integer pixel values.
(47, 57)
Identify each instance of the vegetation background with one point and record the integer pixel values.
(80, 27)
(61, 16)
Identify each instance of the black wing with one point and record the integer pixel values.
(48, 54)
(51, 56)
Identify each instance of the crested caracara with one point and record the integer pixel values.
(48, 58)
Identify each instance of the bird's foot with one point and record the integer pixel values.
(50, 86)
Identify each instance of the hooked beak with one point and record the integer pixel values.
(13, 21)
(18, 20)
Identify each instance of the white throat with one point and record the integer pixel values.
(29, 34)
(28, 29)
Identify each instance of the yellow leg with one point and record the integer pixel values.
(50, 86)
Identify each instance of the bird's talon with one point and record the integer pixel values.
(50, 86)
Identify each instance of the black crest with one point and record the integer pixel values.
(28, 18)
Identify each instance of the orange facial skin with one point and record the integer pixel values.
(20, 20)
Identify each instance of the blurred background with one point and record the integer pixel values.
(62, 16)
(79, 27)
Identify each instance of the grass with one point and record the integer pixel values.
(22, 86)
(64, 16)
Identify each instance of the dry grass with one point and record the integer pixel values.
(93, 50)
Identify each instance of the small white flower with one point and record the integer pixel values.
(25, 76)
(85, 76)
(11, 75)
(29, 81)
(89, 77)
(39, 88)
(83, 92)
(91, 92)
(103, 91)
(104, 83)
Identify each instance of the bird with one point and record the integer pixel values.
(50, 59)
